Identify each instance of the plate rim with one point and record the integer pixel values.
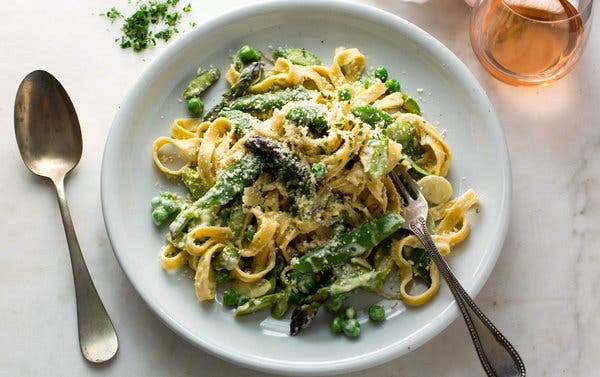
(371, 14)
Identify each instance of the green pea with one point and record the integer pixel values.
(381, 73)
(223, 276)
(230, 298)
(344, 94)
(351, 327)
(248, 54)
(195, 107)
(392, 85)
(336, 325)
(376, 313)
(350, 313)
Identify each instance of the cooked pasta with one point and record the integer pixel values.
(289, 199)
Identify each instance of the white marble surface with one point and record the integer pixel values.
(543, 291)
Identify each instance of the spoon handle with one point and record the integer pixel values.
(97, 336)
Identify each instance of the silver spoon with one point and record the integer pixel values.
(49, 140)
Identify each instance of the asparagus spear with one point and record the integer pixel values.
(286, 162)
(248, 76)
(309, 116)
(372, 115)
(351, 244)
(239, 175)
(261, 103)
(201, 82)
(298, 56)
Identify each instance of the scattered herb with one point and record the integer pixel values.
(152, 20)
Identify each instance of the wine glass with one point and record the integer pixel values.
(530, 42)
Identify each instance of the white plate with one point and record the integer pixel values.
(452, 99)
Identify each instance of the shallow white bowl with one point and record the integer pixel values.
(451, 99)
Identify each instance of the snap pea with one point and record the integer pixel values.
(378, 149)
(191, 181)
(249, 75)
(381, 73)
(298, 56)
(372, 115)
(404, 133)
(264, 102)
(351, 244)
(370, 280)
(392, 85)
(280, 307)
(351, 327)
(227, 259)
(308, 116)
(258, 303)
(419, 261)
(410, 104)
(376, 313)
(201, 82)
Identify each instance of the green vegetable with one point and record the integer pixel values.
(309, 116)
(372, 115)
(258, 303)
(369, 82)
(280, 307)
(350, 312)
(165, 205)
(319, 169)
(223, 276)
(248, 54)
(298, 56)
(336, 325)
(404, 133)
(334, 304)
(195, 107)
(419, 261)
(381, 73)
(274, 274)
(392, 85)
(264, 102)
(302, 316)
(200, 83)
(287, 163)
(344, 94)
(250, 232)
(377, 145)
(235, 222)
(230, 298)
(369, 280)
(242, 122)
(410, 104)
(248, 76)
(351, 327)
(376, 313)
(187, 8)
(307, 283)
(189, 177)
(351, 244)
(232, 182)
(227, 259)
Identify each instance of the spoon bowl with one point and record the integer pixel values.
(49, 139)
(46, 126)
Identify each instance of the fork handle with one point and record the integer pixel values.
(498, 357)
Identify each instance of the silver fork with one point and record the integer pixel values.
(498, 357)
